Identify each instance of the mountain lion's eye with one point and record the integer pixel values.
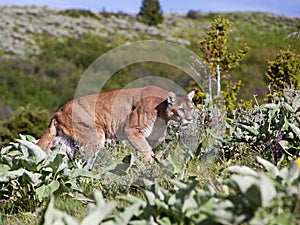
(182, 109)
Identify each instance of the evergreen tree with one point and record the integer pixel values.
(151, 13)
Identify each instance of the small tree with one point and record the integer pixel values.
(151, 13)
(217, 57)
(284, 72)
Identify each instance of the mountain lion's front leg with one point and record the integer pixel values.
(139, 142)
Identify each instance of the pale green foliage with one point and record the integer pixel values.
(28, 176)
(247, 195)
(271, 129)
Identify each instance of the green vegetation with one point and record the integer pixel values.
(220, 61)
(167, 191)
(151, 13)
(26, 120)
(265, 200)
(217, 57)
(242, 168)
(283, 72)
(77, 13)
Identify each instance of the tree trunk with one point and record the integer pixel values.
(209, 87)
(218, 81)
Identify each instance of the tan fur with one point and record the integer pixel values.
(138, 115)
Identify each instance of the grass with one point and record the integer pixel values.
(68, 204)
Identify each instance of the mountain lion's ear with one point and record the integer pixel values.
(191, 95)
(171, 97)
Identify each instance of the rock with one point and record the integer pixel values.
(140, 27)
(122, 24)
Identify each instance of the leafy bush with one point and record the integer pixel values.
(41, 81)
(271, 129)
(77, 13)
(247, 195)
(26, 120)
(284, 72)
(28, 177)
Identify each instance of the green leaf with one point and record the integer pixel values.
(270, 106)
(189, 203)
(131, 199)
(250, 129)
(285, 145)
(165, 221)
(98, 212)
(223, 215)
(57, 163)
(10, 175)
(47, 190)
(34, 178)
(39, 154)
(242, 170)
(129, 159)
(4, 169)
(295, 129)
(244, 182)
(267, 189)
(82, 173)
(177, 165)
(120, 169)
(272, 169)
(30, 138)
(178, 184)
(6, 150)
(288, 107)
(256, 187)
(150, 196)
(127, 214)
(284, 218)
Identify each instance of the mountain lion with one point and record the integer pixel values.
(138, 115)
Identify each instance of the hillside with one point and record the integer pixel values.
(45, 51)
(241, 167)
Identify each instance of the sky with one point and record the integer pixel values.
(289, 8)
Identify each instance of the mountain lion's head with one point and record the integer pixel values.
(180, 107)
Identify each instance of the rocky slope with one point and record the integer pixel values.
(20, 25)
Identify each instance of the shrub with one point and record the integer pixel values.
(28, 176)
(76, 13)
(284, 72)
(26, 120)
(271, 130)
(192, 14)
(245, 196)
